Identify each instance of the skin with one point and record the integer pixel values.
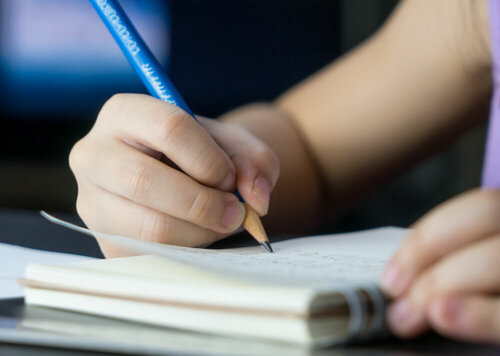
(445, 276)
(147, 171)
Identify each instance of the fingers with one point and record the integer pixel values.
(404, 320)
(150, 183)
(447, 228)
(451, 253)
(122, 217)
(256, 164)
(467, 271)
(146, 121)
(153, 157)
(468, 317)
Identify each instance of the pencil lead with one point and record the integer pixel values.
(267, 246)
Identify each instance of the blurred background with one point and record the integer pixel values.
(58, 65)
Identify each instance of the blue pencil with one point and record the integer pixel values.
(158, 84)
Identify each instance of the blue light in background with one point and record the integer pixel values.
(57, 57)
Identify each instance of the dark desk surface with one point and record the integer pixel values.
(27, 228)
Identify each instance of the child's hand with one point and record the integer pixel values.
(446, 274)
(128, 184)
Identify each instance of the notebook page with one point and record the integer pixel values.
(14, 260)
(320, 261)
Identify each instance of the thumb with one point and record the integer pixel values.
(257, 166)
(256, 174)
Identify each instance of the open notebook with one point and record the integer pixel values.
(314, 291)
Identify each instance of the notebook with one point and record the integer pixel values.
(314, 291)
(14, 260)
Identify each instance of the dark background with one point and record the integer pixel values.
(226, 53)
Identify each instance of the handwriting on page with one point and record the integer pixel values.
(315, 261)
(296, 266)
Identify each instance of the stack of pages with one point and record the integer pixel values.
(314, 291)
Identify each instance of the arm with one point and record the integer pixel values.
(411, 89)
(146, 170)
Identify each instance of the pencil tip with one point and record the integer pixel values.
(267, 246)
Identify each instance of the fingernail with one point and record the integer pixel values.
(262, 189)
(228, 182)
(393, 279)
(447, 310)
(233, 215)
(453, 308)
(401, 318)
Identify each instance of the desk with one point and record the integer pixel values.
(27, 228)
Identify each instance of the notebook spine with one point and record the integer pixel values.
(367, 306)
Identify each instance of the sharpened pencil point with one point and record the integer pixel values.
(267, 246)
(254, 226)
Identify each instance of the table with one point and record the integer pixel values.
(29, 229)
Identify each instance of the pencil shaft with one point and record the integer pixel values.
(138, 53)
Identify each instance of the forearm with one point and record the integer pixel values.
(405, 93)
(411, 89)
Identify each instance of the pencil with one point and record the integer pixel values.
(159, 85)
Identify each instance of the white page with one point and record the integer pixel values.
(13, 262)
(320, 261)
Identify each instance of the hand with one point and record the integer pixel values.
(148, 170)
(446, 274)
